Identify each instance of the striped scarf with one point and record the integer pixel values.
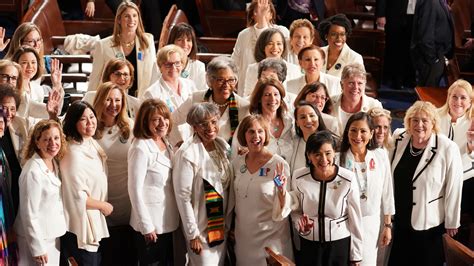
(215, 215)
(8, 245)
(233, 112)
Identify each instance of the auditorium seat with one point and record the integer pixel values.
(456, 253)
(275, 259)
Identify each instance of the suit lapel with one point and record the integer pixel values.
(427, 156)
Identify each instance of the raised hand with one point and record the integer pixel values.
(3, 43)
(90, 9)
(56, 73)
(262, 14)
(54, 101)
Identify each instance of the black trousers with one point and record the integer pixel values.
(83, 257)
(118, 249)
(333, 253)
(158, 253)
(411, 247)
(429, 75)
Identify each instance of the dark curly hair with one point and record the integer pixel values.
(338, 20)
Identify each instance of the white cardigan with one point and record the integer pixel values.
(41, 211)
(84, 175)
(438, 181)
(147, 69)
(150, 188)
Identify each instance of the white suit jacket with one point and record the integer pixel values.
(437, 182)
(150, 188)
(347, 56)
(41, 211)
(243, 54)
(147, 69)
(333, 84)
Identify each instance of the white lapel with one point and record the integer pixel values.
(428, 155)
(160, 157)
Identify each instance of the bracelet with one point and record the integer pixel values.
(388, 225)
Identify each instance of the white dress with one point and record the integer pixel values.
(116, 149)
(255, 227)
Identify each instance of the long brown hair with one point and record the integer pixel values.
(40, 127)
(140, 29)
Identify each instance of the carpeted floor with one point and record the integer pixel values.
(397, 101)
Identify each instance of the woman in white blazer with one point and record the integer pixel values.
(352, 99)
(261, 15)
(183, 36)
(121, 72)
(302, 33)
(32, 93)
(154, 212)
(311, 60)
(270, 44)
(427, 174)
(14, 138)
(335, 30)
(84, 171)
(221, 77)
(129, 41)
(371, 167)
(202, 175)
(41, 221)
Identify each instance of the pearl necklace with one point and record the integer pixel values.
(415, 153)
(224, 105)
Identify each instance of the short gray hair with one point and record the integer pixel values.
(200, 111)
(354, 69)
(219, 63)
(273, 63)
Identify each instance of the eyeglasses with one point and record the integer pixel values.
(119, 74)
(208, 124)
(320, 98)
(32, 42)
(171, 64)
(337, 34)
(221, 81)
(8, 78)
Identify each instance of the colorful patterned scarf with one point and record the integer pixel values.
(233, 112)
(215, 215)
(8, 245)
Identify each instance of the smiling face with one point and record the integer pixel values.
(9, 75)
(307, 120)
(312, 62)
(29, 65)
(323, 160)
(171, 69)
(301, 38)
(336, 37)
(274, 48)
(353, 88)
(9, 107)
(87, 124)
(421, 127)
(158, 125)
(458, 102)
(271, 99)
(255, 137)
(359, 135)
(382, 126)
(318, 98)
(221, 90)
(34, 40)
(129, 20)
(185, 42)
(207, 130)
(49, 143)
(113, 103)
(121, 77)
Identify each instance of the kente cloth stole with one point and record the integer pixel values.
(215, 215)
(233, 112)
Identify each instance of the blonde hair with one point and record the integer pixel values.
(99, 107)
(140, 29)
(421, 106)
(166, 51)
(380, 112)
(460, 83)
(40, 127)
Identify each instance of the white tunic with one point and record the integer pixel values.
(116, 149)
(255, 227)
(243, 54)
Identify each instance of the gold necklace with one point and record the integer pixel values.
(129, 44)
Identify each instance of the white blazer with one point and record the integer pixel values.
(147, 69)
(180, 114)
(379, 182)
(32, 103)
(437, 179)
(333, 84)
(197, 73)
(41, 211)
(292, 72)
(367, 103)
(457, 132)
(243, 54)
(347, 56)
(151, 189)
(133, 103)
